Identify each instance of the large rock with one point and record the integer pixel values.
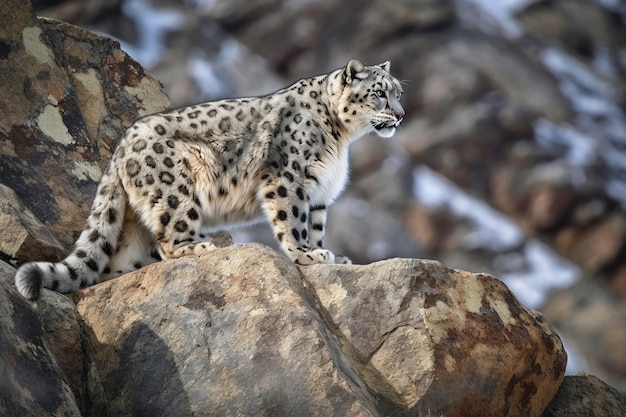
(231, 333)
(67, 96)
(72, 351)
(584, 395)
(31, 381)
(243, 331)
(61, 366)
(440, 340)
(26, 238)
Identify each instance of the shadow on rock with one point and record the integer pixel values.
(151, 389)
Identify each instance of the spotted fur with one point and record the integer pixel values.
(176, 176)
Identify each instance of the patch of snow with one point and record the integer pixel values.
(544, 272)
(603, 63)
(600, 123)
(529, 268)
(492, 231)
(494, 17)
(152, 24)
(205, 77)
(576, 81)
(580, 149)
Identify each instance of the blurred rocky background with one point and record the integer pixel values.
(512, 158)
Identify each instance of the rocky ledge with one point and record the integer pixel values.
(243, 331)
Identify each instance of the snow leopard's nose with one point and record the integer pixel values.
(398, 110)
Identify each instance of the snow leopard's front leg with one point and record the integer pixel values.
(317, 227)
(286, 206)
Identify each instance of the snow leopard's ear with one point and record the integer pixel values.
(385, 65)
(354, 69)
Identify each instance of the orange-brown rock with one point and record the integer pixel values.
(243, 331)
(67, 96)
(431, 339)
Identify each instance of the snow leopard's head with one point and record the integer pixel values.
(372, 98)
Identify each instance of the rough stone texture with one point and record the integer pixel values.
(7, 272)
(71, 349)
(68, 356)
(31, 382)
(584, 395)
(67, 95)
(231, 333)
(26, 238)
(441, 340)
(201, 50)
(243, 331)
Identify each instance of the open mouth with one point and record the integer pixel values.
(386, 129)
(387, 125)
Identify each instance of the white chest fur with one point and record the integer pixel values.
(333, 178)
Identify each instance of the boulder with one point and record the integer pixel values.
(230, 333)
(439, 340)
(26, 238)
(63, 363)
(32, 382)
(584, 395)
(243, 331)
(67, 96)
(72, 351)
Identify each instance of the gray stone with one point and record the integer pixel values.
(230, 333)
(32, 382)
(72, 351)
(584, 395)
(67, 96)
(26, 238)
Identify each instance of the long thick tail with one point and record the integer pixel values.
(92, 251)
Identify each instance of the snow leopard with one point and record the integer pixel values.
(176, 177)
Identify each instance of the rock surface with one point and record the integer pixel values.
(32, 383)
(67, 96)
(243, 331)
(26, 238)
(442, 340)
(584, 395)
(72, 351)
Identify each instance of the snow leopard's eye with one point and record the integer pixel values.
(380, 93)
